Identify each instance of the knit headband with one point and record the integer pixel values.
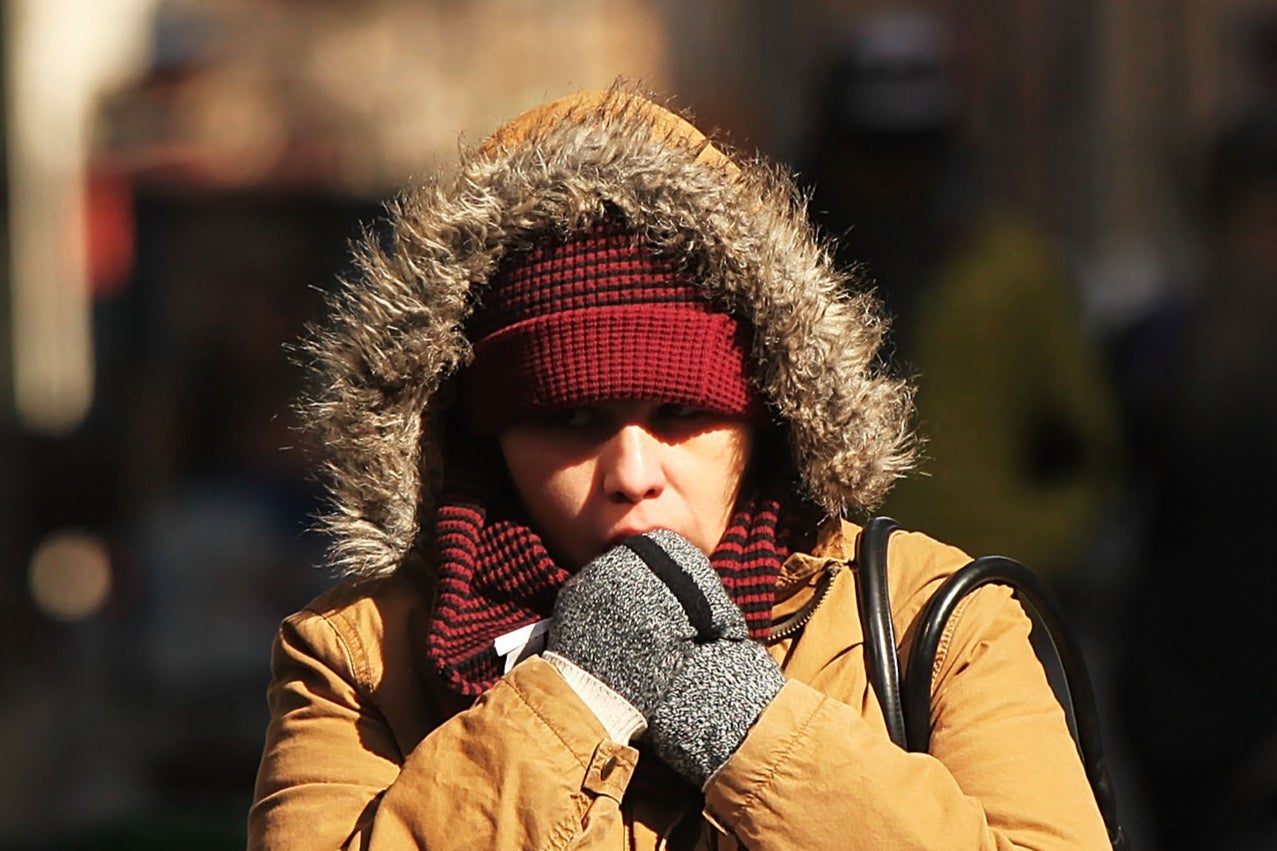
(600, 316)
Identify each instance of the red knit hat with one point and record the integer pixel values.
(595, 317)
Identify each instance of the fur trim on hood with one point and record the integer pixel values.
(396, 334)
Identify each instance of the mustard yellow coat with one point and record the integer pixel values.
(366, 750)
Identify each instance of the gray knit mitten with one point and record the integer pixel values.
(723, 687)
(651, 619)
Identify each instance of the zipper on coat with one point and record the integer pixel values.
(792, 624)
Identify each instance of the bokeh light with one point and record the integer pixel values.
(70, 575)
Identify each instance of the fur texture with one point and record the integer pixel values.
(386, 359)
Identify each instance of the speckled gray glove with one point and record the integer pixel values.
(651, 620)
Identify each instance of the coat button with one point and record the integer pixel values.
(605, 770)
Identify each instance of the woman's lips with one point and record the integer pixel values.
(626, 532)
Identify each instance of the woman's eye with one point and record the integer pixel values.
(680, 415)
(575, 417)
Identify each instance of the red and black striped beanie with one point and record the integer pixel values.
(600, 316)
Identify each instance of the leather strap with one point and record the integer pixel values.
(873, 600)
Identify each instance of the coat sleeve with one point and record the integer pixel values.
(528, 766)
(1002, 773)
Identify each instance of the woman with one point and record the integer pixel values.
(605, 328)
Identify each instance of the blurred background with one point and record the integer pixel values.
(1070, 206)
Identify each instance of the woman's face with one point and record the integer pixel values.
(592, 476)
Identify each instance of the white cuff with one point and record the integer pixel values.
(619, 717)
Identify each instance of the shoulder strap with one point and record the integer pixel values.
(908, 711)
(874, 603)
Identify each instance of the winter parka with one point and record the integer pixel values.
(367, 749)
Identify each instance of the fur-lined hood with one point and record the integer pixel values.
(385, 359)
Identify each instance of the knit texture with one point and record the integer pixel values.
(667, 638)
(720, 690)
(619, 620)
(599, 316)
(617, 715)
(494, 573)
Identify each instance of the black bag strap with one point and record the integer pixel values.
(874, 602)
(907, 709)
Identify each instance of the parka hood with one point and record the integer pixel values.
(386, 359)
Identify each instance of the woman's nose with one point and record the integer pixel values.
(631, 465)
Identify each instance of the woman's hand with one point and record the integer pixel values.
(652, 621)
